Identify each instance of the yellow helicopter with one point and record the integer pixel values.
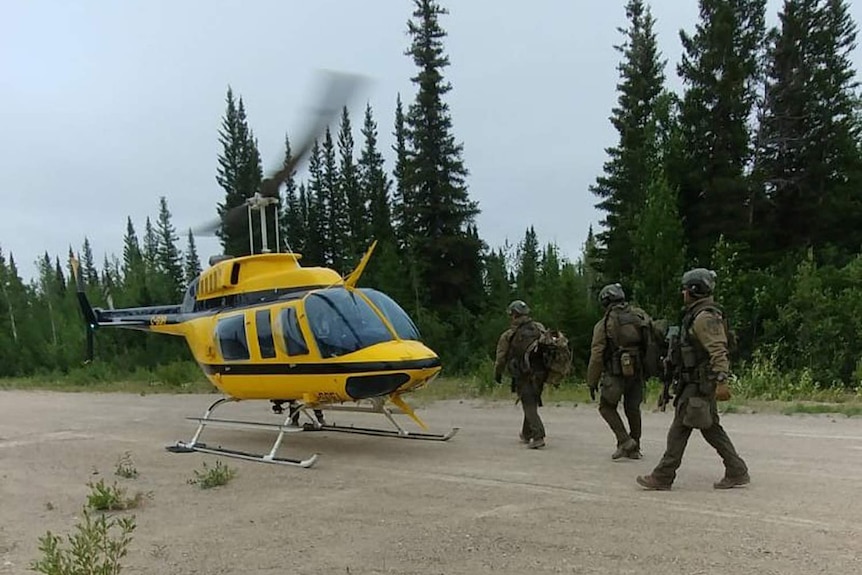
(263, 327)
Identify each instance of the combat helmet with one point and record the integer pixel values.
(518, 307)
(699, 282)
(611, 293)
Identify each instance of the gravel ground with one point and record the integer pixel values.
(479, 503)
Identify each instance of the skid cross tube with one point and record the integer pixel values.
(207, 419)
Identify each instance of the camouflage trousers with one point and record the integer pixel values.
(530, 394)
(631, 391)
(677, 440)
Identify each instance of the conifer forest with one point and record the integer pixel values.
(754, 170)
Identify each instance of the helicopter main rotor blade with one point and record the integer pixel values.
(336, 90)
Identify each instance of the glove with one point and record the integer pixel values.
(593, 393)
(722, 387)
(498, 378)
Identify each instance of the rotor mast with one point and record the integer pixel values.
(259, 203)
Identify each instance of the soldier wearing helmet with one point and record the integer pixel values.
(617, 365)
(700, 367)
(527, 380)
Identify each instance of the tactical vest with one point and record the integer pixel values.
(693, 362)
(624, 340)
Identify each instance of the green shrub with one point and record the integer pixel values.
(215, 476)
(94, 549)
(111, 498)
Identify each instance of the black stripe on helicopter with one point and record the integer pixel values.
(317, 368)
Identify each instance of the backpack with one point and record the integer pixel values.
(532, 349)
(635, 333)
(521, 343)
(552, 351)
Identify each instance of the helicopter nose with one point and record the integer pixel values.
(403, 365)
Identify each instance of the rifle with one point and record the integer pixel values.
(670, 362)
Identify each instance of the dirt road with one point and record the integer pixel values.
(479, 503)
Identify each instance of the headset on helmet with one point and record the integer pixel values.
(699, 282)
(518, 307)
(611, 293)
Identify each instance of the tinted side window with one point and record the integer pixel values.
(232, 339)
(294, 341)
(264, 334)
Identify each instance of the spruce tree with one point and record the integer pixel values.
(293, 232)
(623, 187)
(400, 197)
(384, 269)
(168, 258)
(720, 67)
(317, 215)
(437, 213)
(88, 266)
(134, 268)
(373, 182)
(809, 157)
(527, 269)
(355, 205)
(191, 261)
(239, 175)
(338, 223)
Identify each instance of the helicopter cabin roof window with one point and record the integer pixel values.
(404, 326)
(264, 334)
(294, 341)
(342, 322)
(232, 339)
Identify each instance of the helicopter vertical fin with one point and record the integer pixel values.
(357, 273)
(396, 399)
(86, 309)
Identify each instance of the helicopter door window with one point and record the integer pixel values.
(232, 339)
(294, 341)
(264, 334)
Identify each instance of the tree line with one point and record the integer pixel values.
(754, 170)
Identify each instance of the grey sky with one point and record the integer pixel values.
(105, 106)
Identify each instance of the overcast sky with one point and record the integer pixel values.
(105, 106)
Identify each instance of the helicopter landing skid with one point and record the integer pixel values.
(403, 434)
(377, 407)
(195, 445)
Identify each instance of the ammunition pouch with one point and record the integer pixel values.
(623, 363)
(688, 357)
(628, 363)
(698, 413)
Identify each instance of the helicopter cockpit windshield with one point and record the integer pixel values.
(404, 326)
(342, 322)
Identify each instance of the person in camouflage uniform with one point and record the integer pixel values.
(527, 385)
(700, 364)
(616, 362)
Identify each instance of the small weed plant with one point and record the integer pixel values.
(126, 467)
(215, 476)
(96, 547)
(112, 498)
